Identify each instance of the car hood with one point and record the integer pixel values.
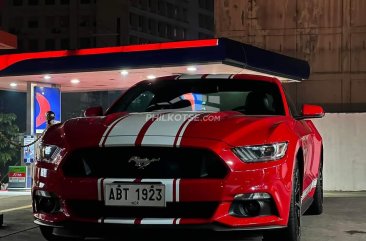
(167, 129)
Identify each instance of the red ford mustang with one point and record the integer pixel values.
(216, 152)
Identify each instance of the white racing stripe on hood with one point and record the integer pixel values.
(164, 130)
(109, 127)
(184, 129)
(126, 131)
(166, 141)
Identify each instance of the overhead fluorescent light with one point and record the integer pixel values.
(191, 68)
(124, 72)
(75, 81)
(151, 76)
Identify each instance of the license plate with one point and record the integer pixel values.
(144, 195)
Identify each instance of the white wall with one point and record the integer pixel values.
(344, 137)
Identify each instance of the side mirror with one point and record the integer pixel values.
(312, 111)
(93, 111)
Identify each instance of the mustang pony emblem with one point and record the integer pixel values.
(141, 163)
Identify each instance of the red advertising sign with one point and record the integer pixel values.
(17, 176)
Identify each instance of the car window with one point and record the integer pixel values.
(246, 96)
(141, 102)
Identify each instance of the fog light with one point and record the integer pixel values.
(252, 208)
(253, 205)
(46, 202)
(47, 205)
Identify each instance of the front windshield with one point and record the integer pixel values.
(246, 96)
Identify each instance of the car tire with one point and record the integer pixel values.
(316, 207)
(47, 233)
(293, 230)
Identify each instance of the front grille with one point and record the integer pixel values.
(115, 162)
(97, 209)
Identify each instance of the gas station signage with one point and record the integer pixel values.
(17, 176)
(45, 99)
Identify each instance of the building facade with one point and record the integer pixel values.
(330, 34)
(74, 24)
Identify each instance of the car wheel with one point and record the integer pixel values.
(293, 230)
(47, 233)
(316, 207)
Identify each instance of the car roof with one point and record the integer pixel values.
(218, 76)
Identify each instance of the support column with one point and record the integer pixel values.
(29, 129)
(30, 108)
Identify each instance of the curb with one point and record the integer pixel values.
(14, 193)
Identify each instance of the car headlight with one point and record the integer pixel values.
(48, 153)
(261, 153)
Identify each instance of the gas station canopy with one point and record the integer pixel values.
(115, 68)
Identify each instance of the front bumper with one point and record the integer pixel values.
(221, 191)
(82, 230)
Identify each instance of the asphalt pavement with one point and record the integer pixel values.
(344, 219)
